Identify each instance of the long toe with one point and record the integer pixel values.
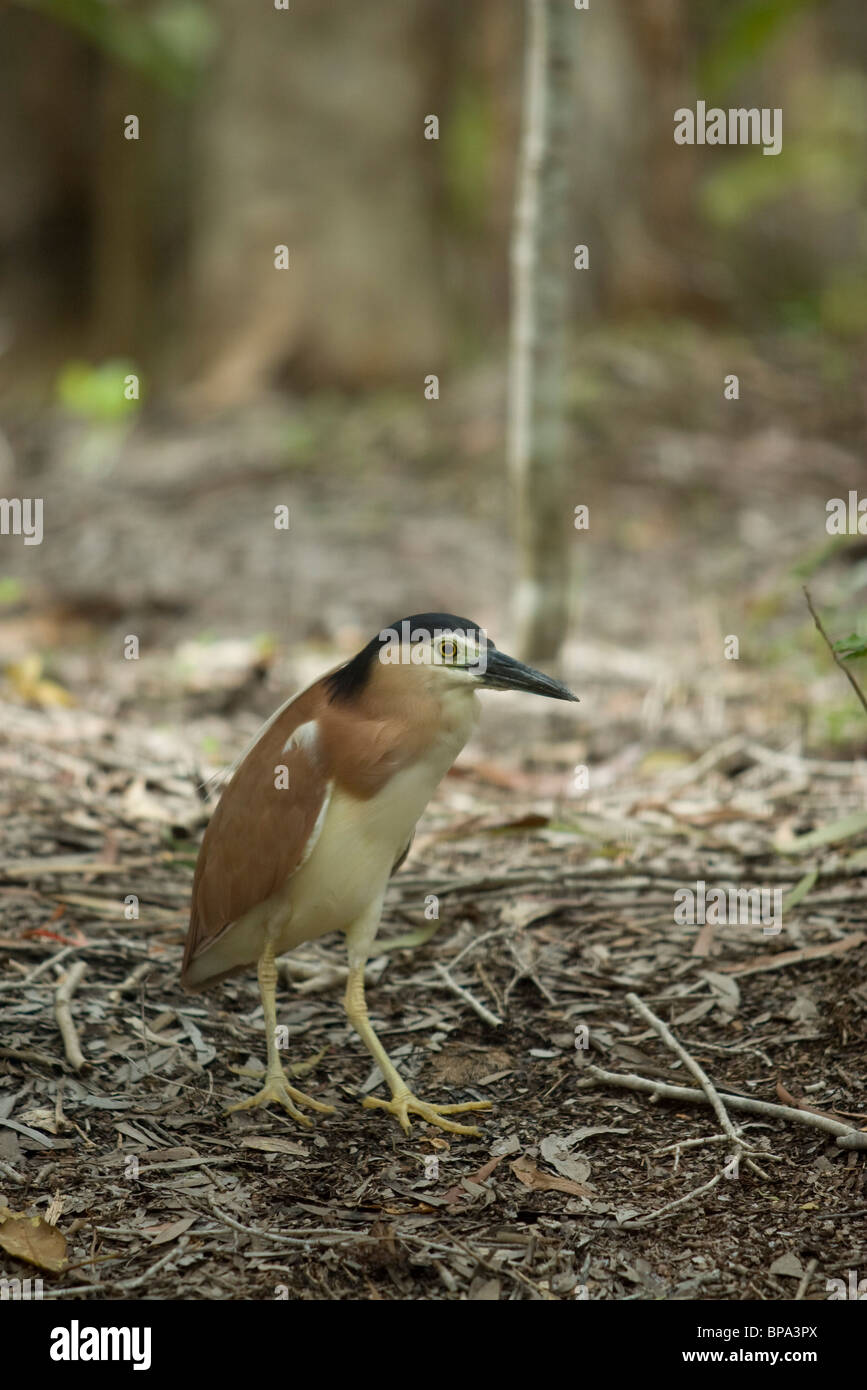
(278, 1091)
(404, 1105)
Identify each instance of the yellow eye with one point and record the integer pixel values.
(449, 649)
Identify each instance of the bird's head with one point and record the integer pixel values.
(446, 653)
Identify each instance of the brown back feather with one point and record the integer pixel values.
(258, 834)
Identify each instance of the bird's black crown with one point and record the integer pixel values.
(351, 679)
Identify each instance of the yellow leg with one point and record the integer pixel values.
(403, 1103)
(276, 1086)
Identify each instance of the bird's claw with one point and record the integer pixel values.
(405, 1103)
(278, 1091)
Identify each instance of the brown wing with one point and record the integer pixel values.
(259, 832)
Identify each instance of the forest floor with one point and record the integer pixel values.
(556, 901)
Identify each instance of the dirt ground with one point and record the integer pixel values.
(555, 901)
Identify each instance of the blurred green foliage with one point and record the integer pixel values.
(468, 144)
(818, 177)
(169, 44)
(11, 591)
(746, 30)
(838, 726)
(97, 394)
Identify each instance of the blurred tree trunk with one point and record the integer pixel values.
(311, 135)
(541, 267)
(123, 217)
(660, 244)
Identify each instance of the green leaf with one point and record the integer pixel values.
(851, 646)
(800, 891)
(832, 834)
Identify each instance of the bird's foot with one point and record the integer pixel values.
(404, 1104)
(278, 1090)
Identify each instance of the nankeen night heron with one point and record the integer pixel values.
(321, 811)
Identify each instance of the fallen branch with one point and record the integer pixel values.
(63, 1014)
(700, 1075)
(846, 1136)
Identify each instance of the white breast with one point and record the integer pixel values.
(361, 840)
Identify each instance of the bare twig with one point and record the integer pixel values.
(320, 1235)
(63, 1014)
(125, 1284)
(698, 1143)
(40, 969)
(481, 1009)
(846, 1136)
(637, 1222)
(130, 981)
(805, 1282)
(700, 1075)
(835, 654)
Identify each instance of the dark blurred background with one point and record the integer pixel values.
(305, 387)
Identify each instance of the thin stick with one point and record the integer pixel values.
(298, 1237)
(835, 654)
(125, 1284)
(637, 1222)
(39, 969)
(474, 1003)
(129, 982)
(699, 1143)
(63, 1014)
(805, 1282)
(698, 1072)
(847, 1137)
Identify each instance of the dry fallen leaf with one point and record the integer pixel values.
(275, 1146)
(481, 1175)
(788, 1099)
(161, 1235)
(40, 1117)
(31, 1238)
(526, 1172)
(555, 1149)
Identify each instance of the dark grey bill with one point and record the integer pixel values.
(505, 673)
